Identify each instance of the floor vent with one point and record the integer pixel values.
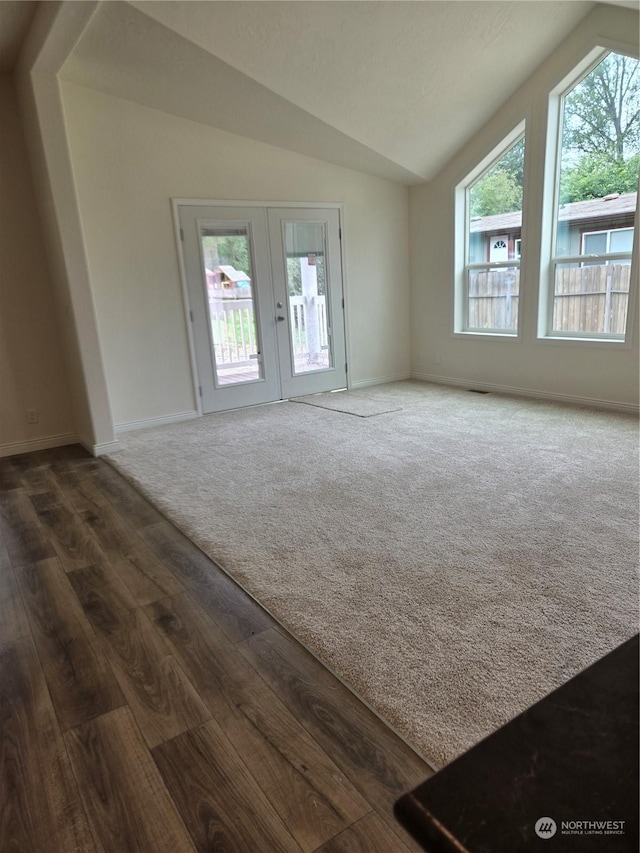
(477, 391)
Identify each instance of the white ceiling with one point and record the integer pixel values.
(410, 80)
(393, 88)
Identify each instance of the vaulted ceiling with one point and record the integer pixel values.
(392, 88)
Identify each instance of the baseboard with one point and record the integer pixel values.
(381, 380)
(609, 405)
(101, 449)
(154, 422)
(14, 448)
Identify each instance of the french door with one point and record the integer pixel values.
(264, 287)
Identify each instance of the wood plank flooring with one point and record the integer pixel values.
(147, 704)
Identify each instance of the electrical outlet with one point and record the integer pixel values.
(32, 416)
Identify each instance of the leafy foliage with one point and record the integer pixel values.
(601, 131)
(602, 113)
(500, 189)
(596, 176)
(231, 250)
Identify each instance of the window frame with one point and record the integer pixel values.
(551, 189)
(462, 240)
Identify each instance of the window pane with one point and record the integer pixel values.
(599, 159)
(595, 244)
(591, 298)
(600, 152)
(621, 240)
(307, 291)
(234, 336)
(495, 210)
(493, 299)
(494, 229)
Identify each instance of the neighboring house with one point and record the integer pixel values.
(587, 227)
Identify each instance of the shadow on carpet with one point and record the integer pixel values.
(348, 403)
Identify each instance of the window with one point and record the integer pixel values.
(594, 202)
(487, 296)
(607, 242)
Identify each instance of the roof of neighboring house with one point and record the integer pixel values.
(576, 211)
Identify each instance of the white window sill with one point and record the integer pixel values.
(473, 333)
(618, 343)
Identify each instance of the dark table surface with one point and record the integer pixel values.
(571, 758)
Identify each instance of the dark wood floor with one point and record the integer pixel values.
(148, 704)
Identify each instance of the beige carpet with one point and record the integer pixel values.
(452, 561)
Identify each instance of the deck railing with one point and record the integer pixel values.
(234, 332)
(304, 335)
(234, 329)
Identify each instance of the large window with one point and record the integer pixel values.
(595, 202)
(489, 277)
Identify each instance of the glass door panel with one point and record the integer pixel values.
(232, 319)
(307, 282)
(231, 310)
(306, 274)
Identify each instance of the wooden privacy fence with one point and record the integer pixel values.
(591, 298)
(586, 299)
(493, 298)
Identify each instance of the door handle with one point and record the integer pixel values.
(280, 318)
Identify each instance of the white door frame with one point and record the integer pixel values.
(195, 202)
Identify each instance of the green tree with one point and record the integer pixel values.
(496, 192)
(512, 161)
(500, 189)
(294, 276)
(602, 113)
(601, 132)
(232, 250)
(596, 176)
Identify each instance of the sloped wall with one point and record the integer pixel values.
(33, 373)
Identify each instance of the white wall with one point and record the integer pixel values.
(599, 372)
(33, 373)
(56, 28)
(129, 161)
